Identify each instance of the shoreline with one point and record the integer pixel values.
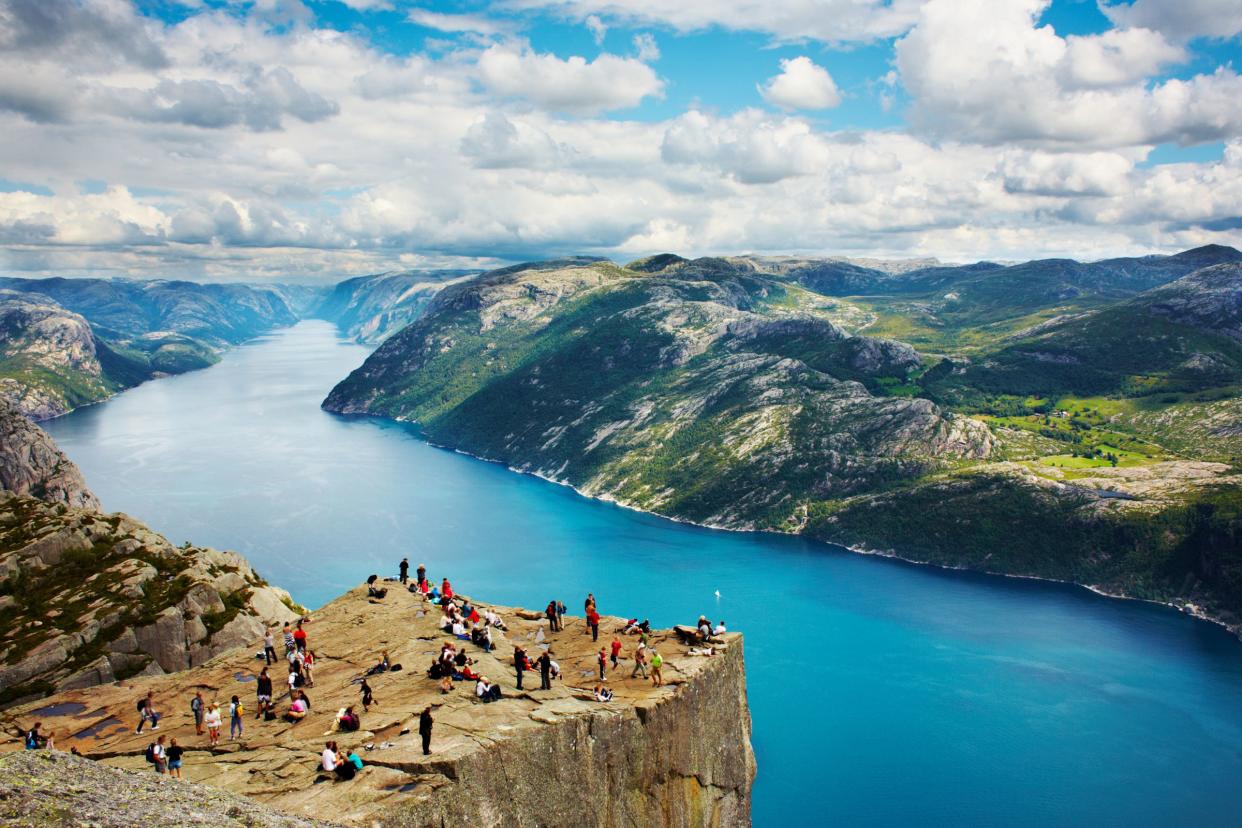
(1191, 610)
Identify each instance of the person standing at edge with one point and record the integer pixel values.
(290, 644)
(545, 670)
(553, 626)
(593, 623)
(420, 574)
(519, 664)
(603, 662)
(405, 570)
(616, 651)
(424, 729)
(656, 662)
(588, 607)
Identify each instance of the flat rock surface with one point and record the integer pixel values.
(277, 762)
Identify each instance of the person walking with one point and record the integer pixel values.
(657, 661)
(552, 617)
(263, 693)
(424, 729)
(616, 651)
(405, 570)
(147, 713)
(519, 664)
(196, 708)
(269, 647)
(603, 662)
(545, 670)
(235, 718)
(640, 661)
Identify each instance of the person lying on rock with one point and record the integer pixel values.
(493, 620)
(602, 693)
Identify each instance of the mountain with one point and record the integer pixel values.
(32, 464)
(68, 342)
(370, 308)
(707, 391)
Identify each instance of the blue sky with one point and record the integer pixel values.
(311, 139)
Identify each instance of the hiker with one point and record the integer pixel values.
(299, 637)
(381, 667)
(308, 664)
(348, 720)
(146, 713)
(656, 662)
(368, 700)
(196, 709)
(588, 607)
(405, 570)
(560, 615)
(420, 574)
(552, 619)
(592, 620)
(156, 756)
(212, 720)
(173, 755)
(519, 664)
(236, 711)
(640, 660)
(603, 662)
(487, 691)
(616, 651)
(424, 729)
(34, 739)
(263, 693)
(291, 644)
(269, 647)
(602, 693)
(545, 671)
(373, 591)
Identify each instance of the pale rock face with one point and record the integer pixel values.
(31, 464)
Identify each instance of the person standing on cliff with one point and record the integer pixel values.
(603, 662)
(588, 607)
(616, 650)
(424, 729)
(405, 570)
(519, 664)
(146, 712)
(197, 706)
(299, 638)
(657, 661)
(640, 660)
(269, 648)
(263, 691)
(545, 670)
(550, 612)
(291, 645)
(593, 623)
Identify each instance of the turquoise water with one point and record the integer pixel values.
(881, 693)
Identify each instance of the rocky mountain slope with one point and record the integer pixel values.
(32, 464)
(699, 390)
(68, 342)
(369, 309)
(678, 755)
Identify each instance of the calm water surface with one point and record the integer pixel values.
(881, 693)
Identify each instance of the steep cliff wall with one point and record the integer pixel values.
(676, 755)
(32, 464)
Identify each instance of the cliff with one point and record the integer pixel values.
(678, 755)
(49, 360)
(32, 464)
(87, 598)
(368, 309)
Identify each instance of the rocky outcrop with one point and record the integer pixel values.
(87, 598)
(677, 755)
(368, 309)
(31, 464)
(49, 357)
(51, 789)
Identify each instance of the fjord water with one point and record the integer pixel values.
(882, 693)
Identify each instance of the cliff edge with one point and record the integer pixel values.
(32, 464)
(676, 755)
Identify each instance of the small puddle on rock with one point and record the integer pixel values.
(97, 728)
(243, 677)
(61, 709)
(406, 788)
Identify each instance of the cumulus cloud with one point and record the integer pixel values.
(572, 85)
(801, 84)
(95, 33)
(1179, 19)
(825, 20)
(984, 70)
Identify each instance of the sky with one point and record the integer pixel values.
(314, 140)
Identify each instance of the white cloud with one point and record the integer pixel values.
(983, 70)
(801, 84)
(454, 23)
(599, 29)
(573, 85)
(749, 147)
(1179, 19)
(645, 47)
(824, 20)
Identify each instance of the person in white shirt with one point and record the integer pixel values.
(212, 720)
(329, 758)
(720, 629)
(459, 629)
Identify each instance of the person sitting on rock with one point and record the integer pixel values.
(719, 629)
(493, 620)
(348, 719)
(372, 592)
(466, 674)
(332, 762)
(459, 630)
(486, 691)
(298, 708)
(446, 590)
(381, 667)
(602, 693)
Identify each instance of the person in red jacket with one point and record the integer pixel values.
(299, 638)
(603, 662)
(592, 620)
(446, 589)
(616, 651)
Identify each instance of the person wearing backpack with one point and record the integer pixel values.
(35, 740)
(146, 712)
(196, 708)
(157, 756)
(236, 711)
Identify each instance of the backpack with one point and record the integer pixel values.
(142, 705)
(150, 753)
(32, 741)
